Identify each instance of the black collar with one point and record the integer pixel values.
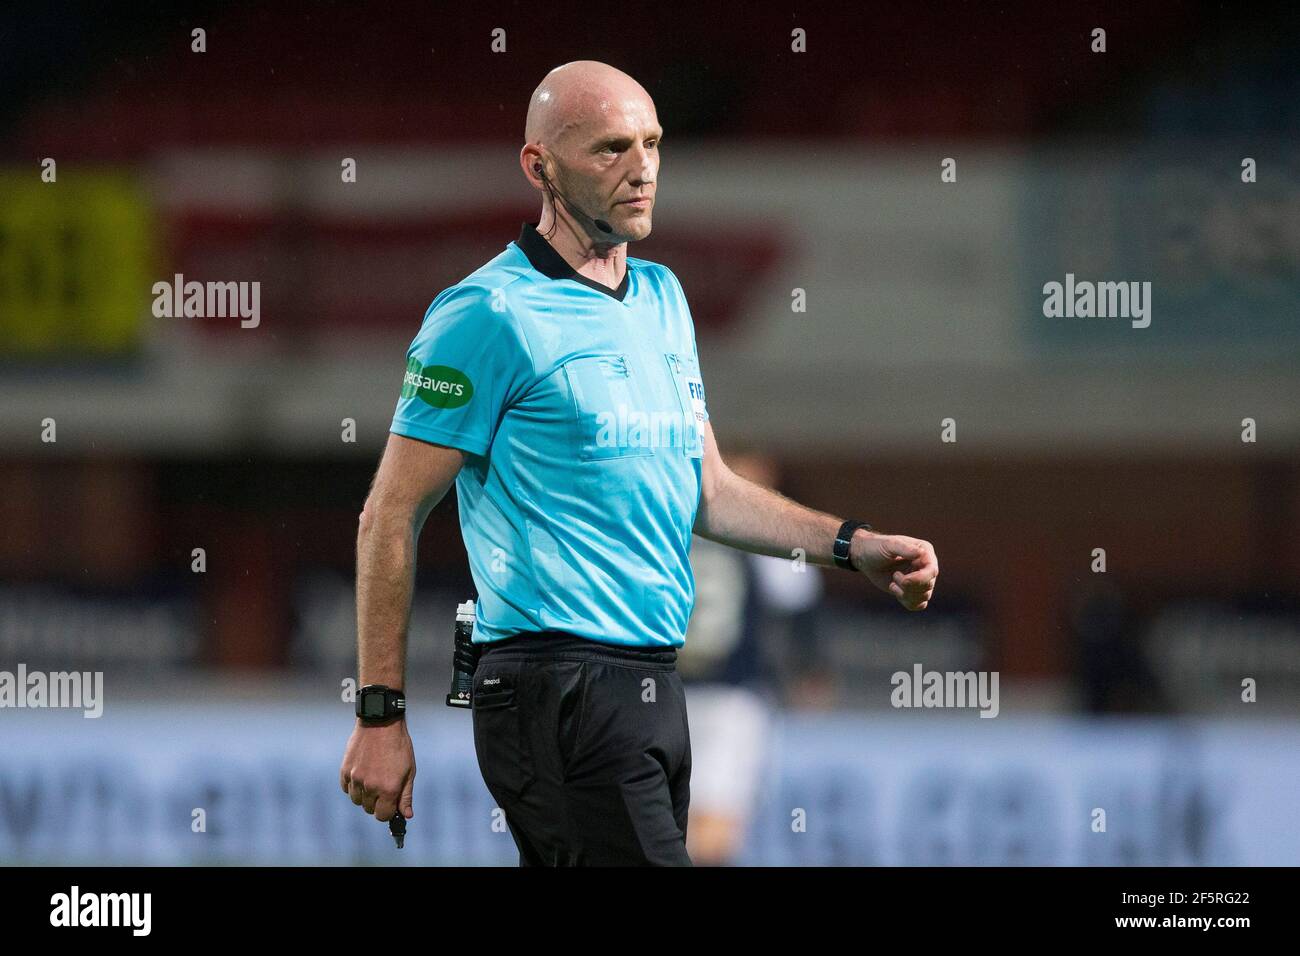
(553, 265)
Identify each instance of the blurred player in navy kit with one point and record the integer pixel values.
(751, 647)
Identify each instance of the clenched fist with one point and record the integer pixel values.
(905, 567)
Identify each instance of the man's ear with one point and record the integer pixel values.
(531, 162)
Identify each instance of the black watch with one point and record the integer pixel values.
(843, 539)
(377, 702)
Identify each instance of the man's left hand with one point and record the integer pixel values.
(905, 567)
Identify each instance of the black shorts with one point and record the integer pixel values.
(585, 748)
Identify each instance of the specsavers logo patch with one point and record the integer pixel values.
(438, 385)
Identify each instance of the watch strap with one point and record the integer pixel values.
(843, 541)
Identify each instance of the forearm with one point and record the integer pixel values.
(385, 582)
(752, 518)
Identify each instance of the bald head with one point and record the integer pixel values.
(592, 140)
(578, 94)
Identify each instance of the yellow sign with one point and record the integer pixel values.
(76, 263)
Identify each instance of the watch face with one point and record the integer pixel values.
(372, 705)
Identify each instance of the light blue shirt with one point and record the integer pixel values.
(581, 410)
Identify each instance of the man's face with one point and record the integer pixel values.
(611, 165)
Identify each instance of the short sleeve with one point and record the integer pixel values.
(701, 406)
(696, 383)
(467, 365)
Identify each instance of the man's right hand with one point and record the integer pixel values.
(378, 770)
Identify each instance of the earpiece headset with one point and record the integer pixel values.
(600, 224)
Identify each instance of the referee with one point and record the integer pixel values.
(559, 387)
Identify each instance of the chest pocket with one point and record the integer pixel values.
(685, 371)
(606, 390)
